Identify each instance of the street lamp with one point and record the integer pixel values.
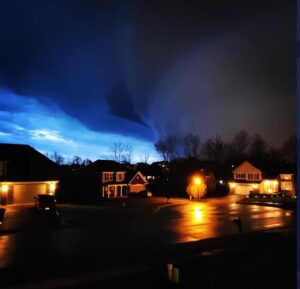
(197, 181)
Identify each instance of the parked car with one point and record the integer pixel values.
(45, 202)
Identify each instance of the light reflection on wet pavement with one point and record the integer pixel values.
(120, 237)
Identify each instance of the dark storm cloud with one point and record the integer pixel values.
(144, 67)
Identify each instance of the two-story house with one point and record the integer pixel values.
(116, 180)
(248, 178)
(112, 178)
(24, 173)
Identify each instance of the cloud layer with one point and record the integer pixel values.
(25, 120)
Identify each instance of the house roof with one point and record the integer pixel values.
(246, 167)
(137, 177)
(24, 163)
(149, 170)
(268, 169)
(107, 165)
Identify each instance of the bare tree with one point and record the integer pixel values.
(168, 148)
(122, 152)
(144, 157)
(76, 161)
(191, 145)
(214, 149)
(86, 162)
(57, 158)
(127, 154)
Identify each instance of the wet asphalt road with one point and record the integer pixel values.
(118, 234)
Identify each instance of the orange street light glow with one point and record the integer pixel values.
(197, 181)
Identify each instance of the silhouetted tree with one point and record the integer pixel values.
(121, 152)
(239, 144)
(258, 148)
(289, 149)
(168, 148)
(57, 158)
(86, 162)
(214, 149)
(76, 161)
(144, 157)
(192, 146)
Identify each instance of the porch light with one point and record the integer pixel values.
(52, 187)
(4, 188)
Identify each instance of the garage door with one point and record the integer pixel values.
(25, 193)
(137, 188)
(243, 189)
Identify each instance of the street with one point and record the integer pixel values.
(120, 234)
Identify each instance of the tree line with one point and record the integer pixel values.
(242, 146)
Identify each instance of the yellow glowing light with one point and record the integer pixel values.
(4, 188)
(52, 187)
(232, 185)
(288, 214)
(255, 186)
(198, 214)
(275, 182)
(197, 181)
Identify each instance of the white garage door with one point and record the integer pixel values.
(25, 193)
(137, 188)
(243, 189)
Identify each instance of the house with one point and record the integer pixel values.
(248, 178)
(137, 183)
(116, 180)
(24, 173)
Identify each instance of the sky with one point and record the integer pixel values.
(77, 76)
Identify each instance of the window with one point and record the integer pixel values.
(120, 176)
(240, 176)
(286, 186)
(253, 177)
(108, 176)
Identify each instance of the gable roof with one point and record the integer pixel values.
(137, 176)
(24, 163)
(246, 167)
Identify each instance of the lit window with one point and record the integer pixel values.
(120, 177)
(270, 186)
(240, 176)
(108, 177)
(286, 186)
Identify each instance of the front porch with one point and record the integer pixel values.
(114, 191)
